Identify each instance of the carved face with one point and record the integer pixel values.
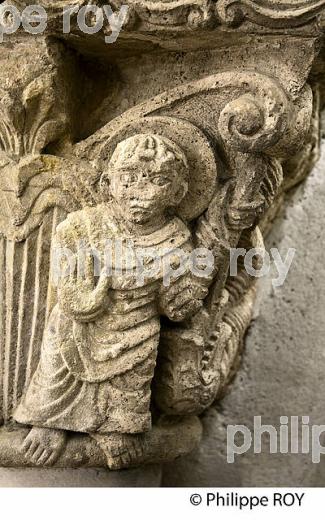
(143, 193)
(147, 175)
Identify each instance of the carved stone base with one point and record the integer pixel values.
(166, 442)
(146, 476)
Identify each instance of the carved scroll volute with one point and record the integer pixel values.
(257, 130)
(270, 13)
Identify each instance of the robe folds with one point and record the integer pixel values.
(96, 376)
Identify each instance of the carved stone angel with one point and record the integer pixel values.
(100, 348)
(177, 172)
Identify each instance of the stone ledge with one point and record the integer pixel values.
(179, 438)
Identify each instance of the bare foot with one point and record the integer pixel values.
(43, 446)
(122, 450)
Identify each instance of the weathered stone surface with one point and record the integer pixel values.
(195, 154)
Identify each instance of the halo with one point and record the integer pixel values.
(195, 145)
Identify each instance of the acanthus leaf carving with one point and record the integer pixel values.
(34, 122)
(30, 119)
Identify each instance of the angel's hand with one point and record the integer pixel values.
(183, 298)
(245, 215)
(78, 295)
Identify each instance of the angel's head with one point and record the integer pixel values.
(147, 174)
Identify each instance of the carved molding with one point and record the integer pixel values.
(171, 15)
(273, 13)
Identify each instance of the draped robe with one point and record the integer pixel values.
(96, 376)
